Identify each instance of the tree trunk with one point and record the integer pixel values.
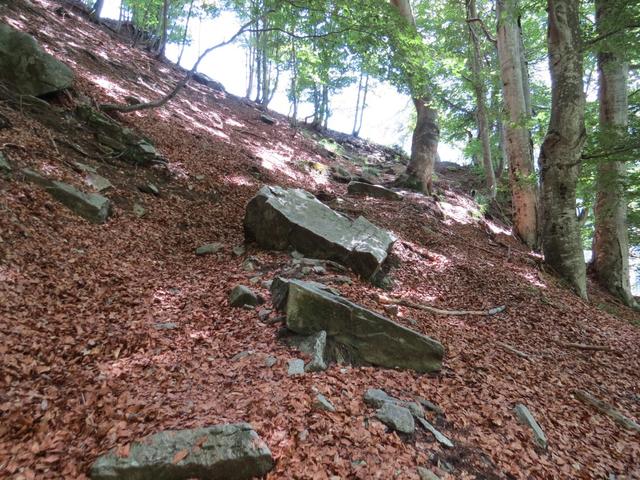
(481, 101)
(424, 142)
(186, 31)
(363, 105)
(163, 29)
(560, 155)
(96, 10)
(515, 88)
(354, 131)
(611, 243)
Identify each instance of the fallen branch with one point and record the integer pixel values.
(607, 409)
(116, 107)
(584, 346)
(438, 311)
(514, 351)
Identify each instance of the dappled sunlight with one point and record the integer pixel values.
(274, 161)
(240, 181)
(459, 214)
(109, 87)
(533, 278)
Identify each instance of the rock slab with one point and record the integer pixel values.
(92, 206)
(365, 336)
(26, 68)
(241, 296)
(279, 218)
(219, 452)
(396, 417)
(369, 190)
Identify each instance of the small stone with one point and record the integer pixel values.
(396, 417)
(391, 310)
(254, 280)
(138, 210)
(270, 361)
(319, 270)
(241, 296)
(306, 270)
(149, 188)
(375, 397)
(239, 250)
(267, 119)
(317, 344)
(426, 474)
(430, 405)
(263, 314)
(248, 266)
(440, 438)
(267, 284)
(166, 326)
(208, 248)
(97, 182)
(86, 168)
(303, 435)
(240, 355)
(296, 367)
(296, 255)
(415, 409)
(200, 177)
(4, 163)
(322, 403)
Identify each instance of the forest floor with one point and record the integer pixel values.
(83, 367)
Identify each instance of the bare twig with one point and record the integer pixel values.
(514, 351)
(484, 29)
(607, 409)
(584, 346)
(438, 311)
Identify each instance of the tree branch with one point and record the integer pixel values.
(484, 29)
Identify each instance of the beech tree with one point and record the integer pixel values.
(560, 155)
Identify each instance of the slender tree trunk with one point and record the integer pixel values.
(294, 82)
(163, 29)
(426, 135)
(250, 67)
(503, 149)
(186, 32)
(354, 132)
(364, 105)
(481, 101)
(325, 107)
(611, 242)
(518, 146)
(560, 155)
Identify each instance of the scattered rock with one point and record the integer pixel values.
(203, 79)
(296, 367)
(296, 255)
(240, 355)
(138, 210)
(229, 452)
(149, 188)
(97, 182)
(239, 250)
(208, 248)
(263, 314)
(426, 474)
(364, 336)
(26, 68)
(377, 191)
(396, 417)
(319, 270)
(267, 119)
(5, 166)
(318, 343)
(279, 218)
(85, 168)
(340, 175)
(430, 405)
(241, 296)
(165, 326)
(92, 206)
(526, 417)
(440, 438)
(375, 397)
(391, 310)
(322, 403)
(415, 408)
(270, 361)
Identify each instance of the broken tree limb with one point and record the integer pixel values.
(584, 346)
(607, 409)
(439, 311)
(514, 351)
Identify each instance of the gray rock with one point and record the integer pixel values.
(426, 474)
(340, 175)
(279, 218)
(367, 337)
(526, 417)
(375, 397)
(296, 367)
(5, 166)
(267, 119)
(239, 250)
(26, 68)
(86, 168)
(97, 182)
(241, 296)
(149, 188)
(270, 361)
(396, 417)
(165, 326)
(138, 210)
(208, 81)
(263, 314)
(296, 255)
(317, 344)
(440, 438)
(415, 409)
(430, 405)
(208, 248)
(240, 355)
(322, 403)
(377, 191)
(219, 452)
(92, 206)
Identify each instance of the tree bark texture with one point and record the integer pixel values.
(517, 138)
(561, 151)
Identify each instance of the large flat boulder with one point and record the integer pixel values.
(92, 206)
(279, 218)
(26, 68)
(219, 452)
(362, 336)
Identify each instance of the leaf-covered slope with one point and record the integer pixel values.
(84, 366)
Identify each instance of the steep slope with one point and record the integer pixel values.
(85, 367)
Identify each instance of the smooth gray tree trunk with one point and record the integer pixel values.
(517, 138)
(611, 242)
(560, 155)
